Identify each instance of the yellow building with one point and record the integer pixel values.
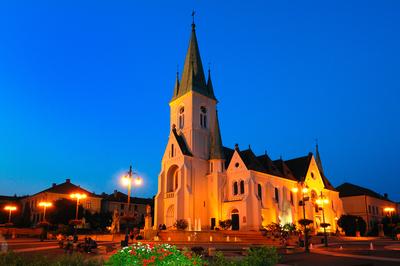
(91, 203)
(368, 204)
(204, 182)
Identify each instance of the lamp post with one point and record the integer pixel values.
(127, 181)
(321, 202)
(45, 205)
(304, 198)
(78, 197)
(10, 209)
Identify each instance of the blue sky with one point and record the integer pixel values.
(85, 86)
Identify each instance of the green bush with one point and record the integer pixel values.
(14, 259)
(160, 254)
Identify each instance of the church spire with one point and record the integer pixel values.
(216, 151)
(318, 159)
(193, 78)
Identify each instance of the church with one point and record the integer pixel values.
(204, 182)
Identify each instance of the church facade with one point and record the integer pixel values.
(204, 182)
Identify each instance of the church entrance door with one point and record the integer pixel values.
(235, 219)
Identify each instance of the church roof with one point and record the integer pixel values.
(349, 190)
(251, 162)
(182, 143)
(193, 78)
(228, 153)
(216, 151)
(299, 167)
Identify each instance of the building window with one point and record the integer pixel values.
(222, 167)
(135, 208)
(122, 206)
(203, 117)
(241, 187)
(291, 198)
(172, 150)
(259, 190)
(277, 195)
(369, 208)
(211, 167)
(88, 204)
(181, 117)
(235, 188)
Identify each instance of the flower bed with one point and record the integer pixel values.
(148, 254)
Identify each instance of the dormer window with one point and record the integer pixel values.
(203, 117)
(181, 117)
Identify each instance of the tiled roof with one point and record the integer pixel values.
(349, 190)
(251, 162)
(67, 188)
(284, 170)
(118, 196)
(182, 143)
(299, 167)
(228, 153)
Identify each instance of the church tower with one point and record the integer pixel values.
(193, 161)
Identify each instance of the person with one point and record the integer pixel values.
(69, 247)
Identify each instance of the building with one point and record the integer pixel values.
(12, 201)
(119, 201)
(366, 203)
(204, 182)
(91, 203)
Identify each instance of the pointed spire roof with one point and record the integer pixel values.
(318, 160)
(210, 88)
(193, 78)
(216, 150)
(176, 87)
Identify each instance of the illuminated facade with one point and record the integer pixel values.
(204, 182)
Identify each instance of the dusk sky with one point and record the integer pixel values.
(85, 86)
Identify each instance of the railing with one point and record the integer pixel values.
(169, 195)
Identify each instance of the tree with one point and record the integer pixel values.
(63, 211)
(98, 221)
(351, 224)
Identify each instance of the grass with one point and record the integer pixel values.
(14, 259)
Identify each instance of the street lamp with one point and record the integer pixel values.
(321, 202)
(45, 205)
(78, 197)
(389, 211)
(126, 180)
(10, 209)
(304, 198)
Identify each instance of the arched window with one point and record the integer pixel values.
(235, 188)
(241, 187)
(259, 191)
(172, 179)
(203, 117)
(172, 150)
(181, 117)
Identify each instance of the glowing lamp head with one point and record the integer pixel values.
(325, 201)
(45, 204)
(295, 189)
(10, 208)
(138, 181)
(304, 190)
(388, 209)
(125, 180)
(78, 196)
